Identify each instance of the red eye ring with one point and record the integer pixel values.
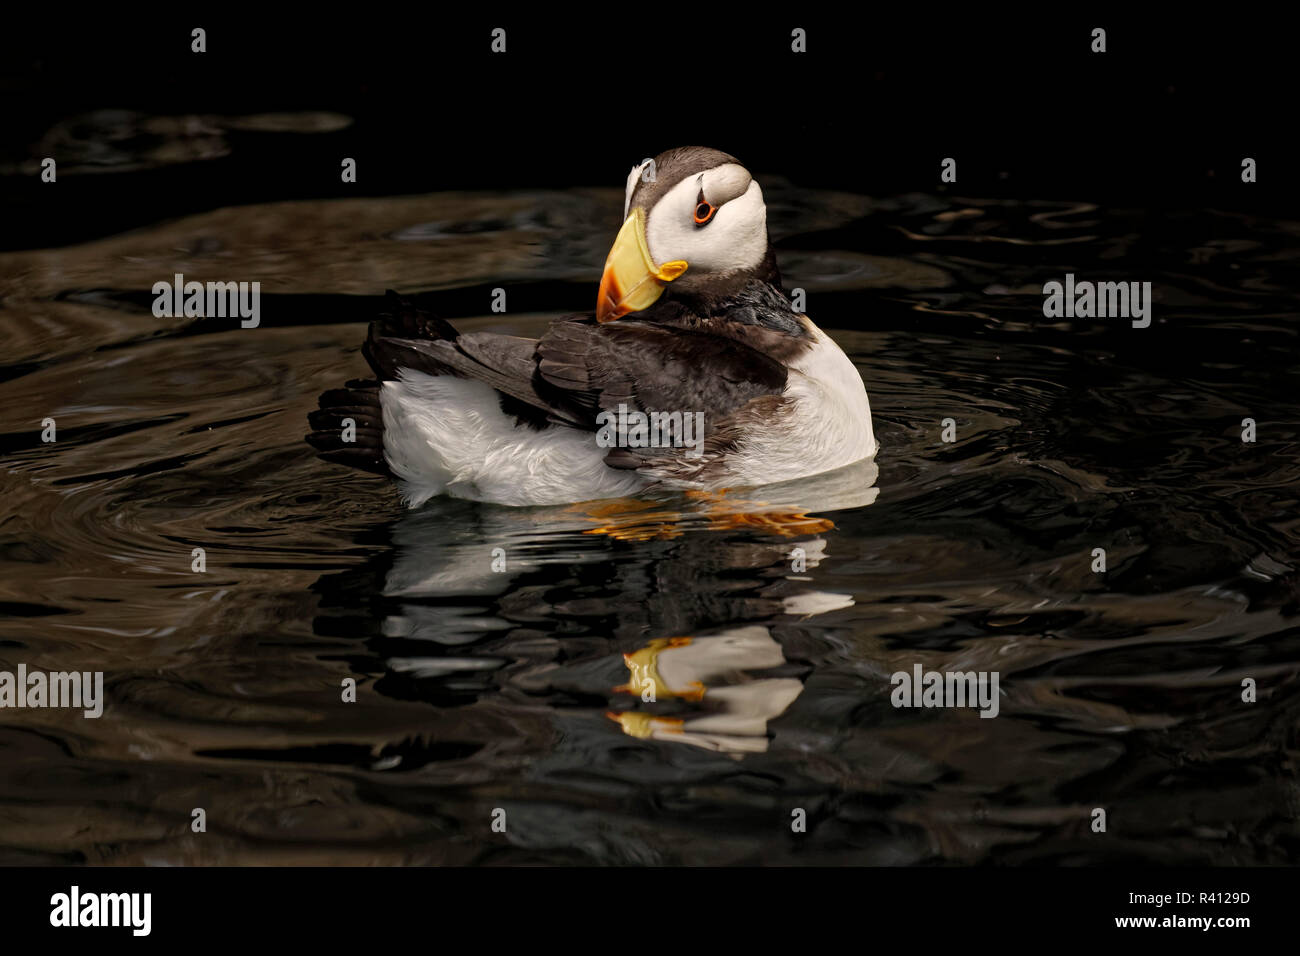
(704, 212)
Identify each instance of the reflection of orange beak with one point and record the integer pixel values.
(631, 280)
(644, 668)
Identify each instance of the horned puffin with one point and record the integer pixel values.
(691, 325)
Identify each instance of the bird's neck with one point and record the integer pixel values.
(749, 308)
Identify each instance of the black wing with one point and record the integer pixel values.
(595, 368)
(647, 367)
(581, 368)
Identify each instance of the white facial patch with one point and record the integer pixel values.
(735, 238)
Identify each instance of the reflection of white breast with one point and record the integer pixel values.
(707, 659)
(825, 423)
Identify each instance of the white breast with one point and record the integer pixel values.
(828, 424)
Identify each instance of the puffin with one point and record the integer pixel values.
(694, 373)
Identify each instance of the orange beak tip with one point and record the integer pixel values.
(607, 298)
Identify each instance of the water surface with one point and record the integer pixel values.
(482, 689)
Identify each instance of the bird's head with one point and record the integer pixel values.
(693, 217)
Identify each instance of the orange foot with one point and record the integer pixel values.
(633, 519)
(629, 519)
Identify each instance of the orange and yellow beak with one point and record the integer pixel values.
(631, 280)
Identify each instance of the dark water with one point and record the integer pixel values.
(481, 689)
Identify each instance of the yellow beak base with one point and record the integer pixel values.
(631, 280)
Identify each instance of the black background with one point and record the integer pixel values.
(1162, 119)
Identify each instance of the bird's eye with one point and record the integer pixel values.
(703, 210)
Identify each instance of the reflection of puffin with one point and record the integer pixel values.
(703, 327)
(682, 667)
